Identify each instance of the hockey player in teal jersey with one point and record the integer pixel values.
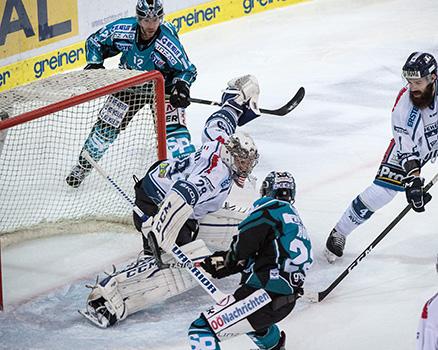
(146, 42)
(273, 253)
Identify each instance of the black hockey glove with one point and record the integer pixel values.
(94, 66)
(414, 192)
(180, 95)
(220, 265)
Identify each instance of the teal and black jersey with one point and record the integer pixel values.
(164, 52)
(276, 246)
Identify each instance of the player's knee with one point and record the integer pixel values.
(201, 336)
(375, 197)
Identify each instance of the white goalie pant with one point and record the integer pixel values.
(141, 284)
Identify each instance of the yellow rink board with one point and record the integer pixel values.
(73, 56)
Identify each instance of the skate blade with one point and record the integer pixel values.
(331, 258)
(94, 320)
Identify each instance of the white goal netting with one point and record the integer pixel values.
(37, 155)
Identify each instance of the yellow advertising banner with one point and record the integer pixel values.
(28, 24)
(43, 66)
(219, 11)
(21, 18)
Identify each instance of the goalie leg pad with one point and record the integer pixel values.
(173, 213)
(105, 303)
(217, 229)
(140, 285)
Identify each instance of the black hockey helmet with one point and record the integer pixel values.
(150, 9)
(279, 185)
(419, 65)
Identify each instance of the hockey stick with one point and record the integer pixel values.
(320, 296)
(282, 111)
(218, 296)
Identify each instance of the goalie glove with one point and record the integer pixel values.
(242, 94)
(414, 192)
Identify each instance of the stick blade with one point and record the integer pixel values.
(311, 296)
(288, 107)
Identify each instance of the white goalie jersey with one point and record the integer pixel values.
(201, 179)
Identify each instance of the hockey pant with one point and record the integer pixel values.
(141, 285)
(115, 116)
(260, 325)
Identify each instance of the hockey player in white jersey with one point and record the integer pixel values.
(427, 333)
(174, 195)
(415, 142)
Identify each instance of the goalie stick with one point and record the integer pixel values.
(281, 111)
(219, 297)
(320, 296)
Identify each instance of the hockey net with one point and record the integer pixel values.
(44, 127)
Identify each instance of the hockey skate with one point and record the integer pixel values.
(97, 313)
(76, 176)
(334, 246)
(282, 343)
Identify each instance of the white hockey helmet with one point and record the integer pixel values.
(239, 153)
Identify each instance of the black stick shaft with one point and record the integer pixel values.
(322, 295)
(281, 111)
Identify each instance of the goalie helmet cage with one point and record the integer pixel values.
(44, 127)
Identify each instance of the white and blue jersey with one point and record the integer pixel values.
(415, 130)
(164, 52)
(201, 178)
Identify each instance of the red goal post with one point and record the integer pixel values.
(46, 125)
(43, 127)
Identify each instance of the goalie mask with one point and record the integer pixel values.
(240, 155)
(149, 9)
(279, 185)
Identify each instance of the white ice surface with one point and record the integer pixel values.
(348, 55)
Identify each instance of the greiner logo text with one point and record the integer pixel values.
(196, 16)
(56, 61)
(249, 5)
(4, 76)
